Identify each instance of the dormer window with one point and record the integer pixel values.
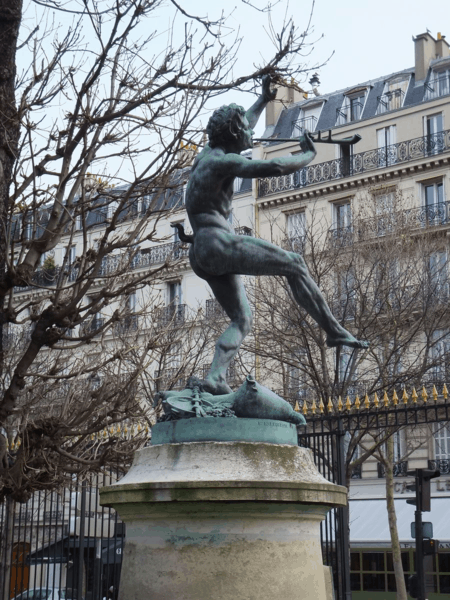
(352, 107)
(439, 84)
(393, 94)
(307, 119)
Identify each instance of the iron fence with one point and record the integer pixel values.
(401, 152)
(62, 540)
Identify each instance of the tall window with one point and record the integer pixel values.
(442, 441)
(174, 293)
(237, 185)
(440, 356)
(386, 138)
(352, 108)
(434, 125)
(343, 215)
(307, 120)
(439, 84)
(437, 275)
(296, 231)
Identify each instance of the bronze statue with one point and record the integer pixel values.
(220, 257)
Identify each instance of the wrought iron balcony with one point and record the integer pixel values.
(400, 469)
(213, 310)
(244, 231)
(305, 124)
(173, 315)
(443, 464)
(349, 113)
(294, 244)
(127, 325)
(169, 378)
(437, 215)
(370, 160)
(390, 101)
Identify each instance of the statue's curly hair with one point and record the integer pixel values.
(225, 124)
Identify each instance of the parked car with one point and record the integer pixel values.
(47, 594)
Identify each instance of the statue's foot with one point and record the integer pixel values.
(216, 387)
(345, 338)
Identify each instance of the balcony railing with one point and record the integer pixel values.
(305, 124)
(443, 464)
(362, 162)
(173, 315)
(169, 378)
(400, 469)
(436, 215)
(127, 325)
(390, 101)
(244, 231)
(213, 310)
(351, 112)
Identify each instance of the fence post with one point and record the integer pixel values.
(343, 540)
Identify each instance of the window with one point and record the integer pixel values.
(439, 84)
(78, 222)
(440, 357)
(434, 137)
(437, 275)
(346, 160)
(112, 207)
(143, 205)
(237, 185)
(442, 441)
(393, 94)
(307, 120)
(343, 215)
(174, 293)
(296, 231)
(72, 254)
(296, 377)
(345, 364)
(387, 152)
(352, 108)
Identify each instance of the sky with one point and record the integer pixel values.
(358, 40)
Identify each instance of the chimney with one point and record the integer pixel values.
(426, 49)
(288, 93)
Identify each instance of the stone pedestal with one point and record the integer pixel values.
(223, 521)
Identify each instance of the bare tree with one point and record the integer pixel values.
(386, 279)
(100, 115)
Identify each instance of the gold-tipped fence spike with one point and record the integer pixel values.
(330, 406)
(305, 408)
(445, 392)
(366, 401)
(376, 402)
(414, 395)
(405, 396)
(357, 403)
(297, 407)
(139, 427)
(340, 405)
(395, 398)
(424, 394)
(146, 428)
(313, 406)
(19, 443)
(435, 394)
(385, 399)
(321, 406)
(348, 404)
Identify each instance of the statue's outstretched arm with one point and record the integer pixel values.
(239, 166)
(267, 95)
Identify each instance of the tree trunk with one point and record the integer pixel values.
(392, 517)
(10, 17)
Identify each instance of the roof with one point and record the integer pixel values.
(415, 94)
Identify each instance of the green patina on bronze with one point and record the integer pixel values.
(220, 257)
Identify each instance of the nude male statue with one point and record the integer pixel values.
(219, 256)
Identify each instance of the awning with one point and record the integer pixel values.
(369, 521)
(58, 552)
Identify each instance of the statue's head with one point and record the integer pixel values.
(227, 125)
